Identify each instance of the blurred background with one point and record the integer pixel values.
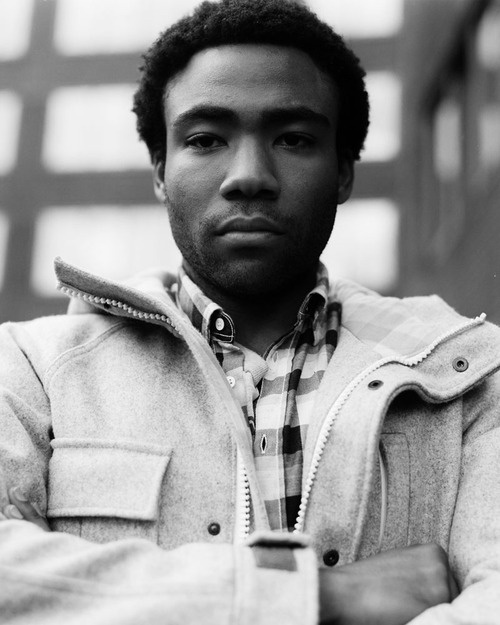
(75, 182)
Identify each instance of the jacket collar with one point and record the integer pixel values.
(386, 329)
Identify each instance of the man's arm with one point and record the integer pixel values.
(48, 577)
(474, 545)
(53, 577)
(390, 588)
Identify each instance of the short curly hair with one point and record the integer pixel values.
(229, 22)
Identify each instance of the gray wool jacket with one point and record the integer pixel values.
(119, 423)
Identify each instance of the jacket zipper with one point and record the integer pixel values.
(104, 301)
(337, 406)
(242, 512)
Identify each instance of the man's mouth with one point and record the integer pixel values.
(248, 226)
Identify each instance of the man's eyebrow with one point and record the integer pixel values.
(285, 114)
(290, 114)
(204, 112)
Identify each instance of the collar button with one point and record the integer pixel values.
(219, 324)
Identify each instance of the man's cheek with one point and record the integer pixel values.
(175, 193)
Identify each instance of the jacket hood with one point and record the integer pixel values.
(390, 326)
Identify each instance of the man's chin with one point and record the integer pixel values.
(251, 276)
(257, 282)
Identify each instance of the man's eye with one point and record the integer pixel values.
(294, 140)
(204, 142)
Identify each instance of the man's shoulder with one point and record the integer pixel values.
(89, 314)
(354, 296)
(45, 338)
(403, 326)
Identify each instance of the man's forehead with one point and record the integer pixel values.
(250, 75)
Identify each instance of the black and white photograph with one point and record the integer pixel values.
(249, 312)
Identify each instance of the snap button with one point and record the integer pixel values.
(231, 381)
(374, 384)
(214, 529)
(331, 557)
(219, 323)
(460, 364)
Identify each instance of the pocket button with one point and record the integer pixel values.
(214, 529)
(331, 557)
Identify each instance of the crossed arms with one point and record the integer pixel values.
(390, 588)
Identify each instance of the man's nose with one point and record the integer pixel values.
(250, 173)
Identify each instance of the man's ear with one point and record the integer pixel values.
(346, 176)
(159, 180)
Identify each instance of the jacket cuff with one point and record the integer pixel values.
(278, 581)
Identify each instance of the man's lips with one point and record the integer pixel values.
(248, 224)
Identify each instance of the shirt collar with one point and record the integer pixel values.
(315, 301)
(205, 315)
(214, 324)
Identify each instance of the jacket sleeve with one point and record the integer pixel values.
(60, 578)
(474, 549)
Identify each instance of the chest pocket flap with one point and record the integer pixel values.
(102, 478)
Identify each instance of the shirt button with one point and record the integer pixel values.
(219, 324)
(231, 381)
(263, 443)
(331, 557)
(214, 529)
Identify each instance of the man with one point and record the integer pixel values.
(173, 429)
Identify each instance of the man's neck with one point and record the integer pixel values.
(261, 320)
(259, 323)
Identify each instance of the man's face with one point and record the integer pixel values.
(252, 176)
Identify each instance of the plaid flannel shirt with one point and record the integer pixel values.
(276, 392)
